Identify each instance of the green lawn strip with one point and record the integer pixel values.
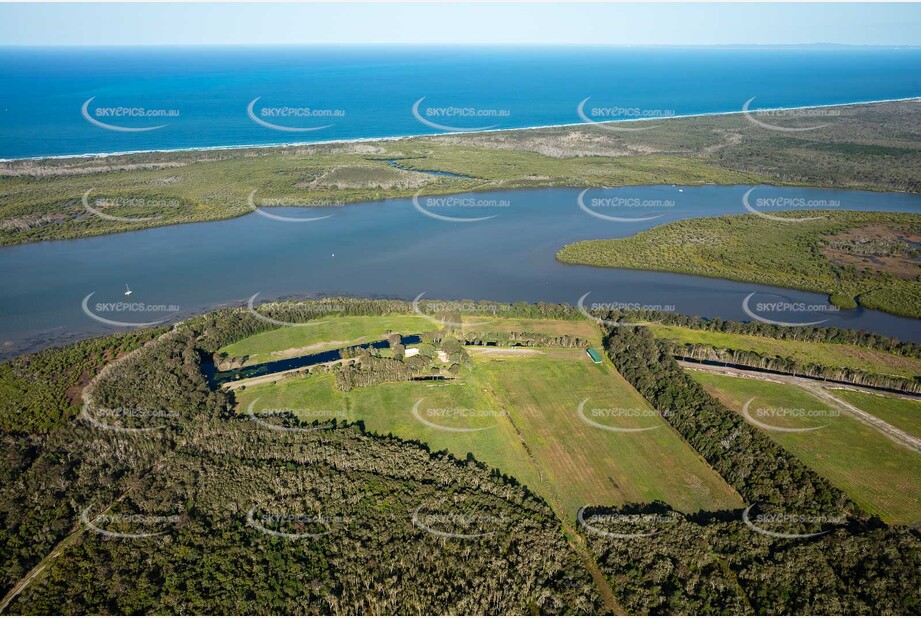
(882, 477)
(826, 354)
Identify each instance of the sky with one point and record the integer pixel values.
(441, 23)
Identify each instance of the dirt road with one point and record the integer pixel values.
(826, 394)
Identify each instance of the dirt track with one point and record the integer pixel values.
(819, 390)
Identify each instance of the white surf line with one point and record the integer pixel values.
(388, 138)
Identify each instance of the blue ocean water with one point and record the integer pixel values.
(366, 92)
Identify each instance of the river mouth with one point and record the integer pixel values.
(498, 246)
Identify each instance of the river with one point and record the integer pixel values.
(393, 249)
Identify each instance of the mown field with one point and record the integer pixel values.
(576, 328)
(757, 250)
(903, 413)
(882, 477)
(524, 409)
(826, 354)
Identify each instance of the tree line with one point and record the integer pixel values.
(756, 360)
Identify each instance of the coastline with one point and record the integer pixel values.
(359, 140)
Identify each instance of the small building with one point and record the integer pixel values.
(410, 352)
(594, 355)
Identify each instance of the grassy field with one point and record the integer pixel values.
(757, 250)
(826, 354)
(903, 413)
(525, 411)
(872, 146)
(321, 335)
(882, 477)
(576, 328)
(584, 464)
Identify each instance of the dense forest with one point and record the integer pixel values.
(845, 563)
(712, 563)
(195, 483)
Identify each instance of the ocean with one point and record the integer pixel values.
(57, 101)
